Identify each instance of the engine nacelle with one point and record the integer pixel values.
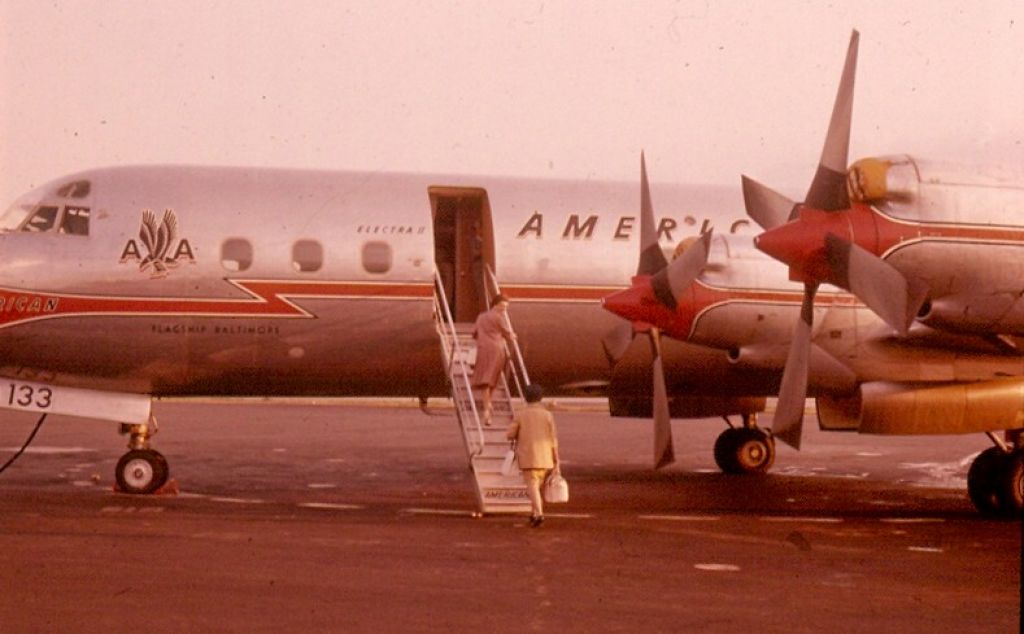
(995, 312)
(826, 372)
(686, 406)
(915, 190)
(902, 409)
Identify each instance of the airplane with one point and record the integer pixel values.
(927, 338)
(123, 285)
(126, 284)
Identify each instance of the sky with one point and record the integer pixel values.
(709, 89)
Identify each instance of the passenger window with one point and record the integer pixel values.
(307, 256)
(41, 220)
(75, 221)
(236, 254)
(377, 257)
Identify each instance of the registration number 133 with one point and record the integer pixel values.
(28, 396)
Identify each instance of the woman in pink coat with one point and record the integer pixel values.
(491, 333)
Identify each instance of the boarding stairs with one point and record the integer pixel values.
(486, 446)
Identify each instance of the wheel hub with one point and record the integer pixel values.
(138, 473)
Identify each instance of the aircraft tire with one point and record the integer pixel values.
(754, 452)
(744, 450)
(141, 471)
(725, 450)
(1011, 485)
(983, 480)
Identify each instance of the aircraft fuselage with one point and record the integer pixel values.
(197, 280)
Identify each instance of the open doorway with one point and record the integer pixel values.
(463, 248)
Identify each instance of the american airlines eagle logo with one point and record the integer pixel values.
(158, 239)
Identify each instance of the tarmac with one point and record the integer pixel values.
(354, 518)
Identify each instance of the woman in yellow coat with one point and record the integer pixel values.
(536, 447)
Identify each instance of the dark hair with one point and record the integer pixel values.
(533, 393)
(499, 299)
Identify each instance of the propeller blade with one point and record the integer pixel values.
(789, 413)
(875, 282)
(829, 372)
(616, 341)
(652, 259)
(672, 281)
(664, 451)
(828, 189)
(765, 206)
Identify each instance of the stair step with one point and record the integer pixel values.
(459, 378)
(499, 418)
(496, 433)
(497, 407)
(490, 439)
(472, 395)
(496, 480)
(496, 442)
(493, 433)
(494, 451)
(494, 477)
(496, 413)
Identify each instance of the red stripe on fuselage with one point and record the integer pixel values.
(269, 299)
(532, 293)
(891, 233)
(706, 298)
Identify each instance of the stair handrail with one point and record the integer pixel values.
(518, 366)
(449, 322)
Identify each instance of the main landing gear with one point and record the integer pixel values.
(142, 470)
(746, 449)
(995, 481)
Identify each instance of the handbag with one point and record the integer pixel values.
(510, 466)
(556, 489)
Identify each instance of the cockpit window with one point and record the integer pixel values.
(76, 189)
(41, 220)
(75, 221)
(14, 216)
(64, 209)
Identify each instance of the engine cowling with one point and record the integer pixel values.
(914, 409)
(892, 178)
(642, 406)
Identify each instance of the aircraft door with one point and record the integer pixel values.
(463, 248)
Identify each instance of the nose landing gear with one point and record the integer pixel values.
(142, 470)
